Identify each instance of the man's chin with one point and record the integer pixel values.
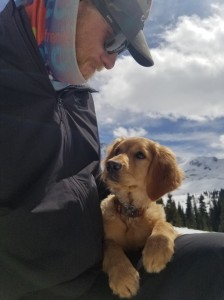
(100, 68)
(88, 74)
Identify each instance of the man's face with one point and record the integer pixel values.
(91, 34)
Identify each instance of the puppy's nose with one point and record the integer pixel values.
(113, 166)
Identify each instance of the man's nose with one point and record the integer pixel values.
(109, 60)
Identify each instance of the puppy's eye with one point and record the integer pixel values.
(117, 151)
(139, 155)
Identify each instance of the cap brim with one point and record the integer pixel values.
(139, 49)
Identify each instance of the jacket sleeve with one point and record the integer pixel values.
(103, 190)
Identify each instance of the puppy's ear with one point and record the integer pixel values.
(164, 175)
(111, 147)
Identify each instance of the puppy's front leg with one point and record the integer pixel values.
(123, 277)
(159, 247)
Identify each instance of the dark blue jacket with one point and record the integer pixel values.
(50, 219)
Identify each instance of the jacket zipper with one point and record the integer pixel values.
(60, 105)
(67, 138)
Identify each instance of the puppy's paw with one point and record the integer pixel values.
(124, 281)
(157, 252)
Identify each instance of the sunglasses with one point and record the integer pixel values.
(117, 43)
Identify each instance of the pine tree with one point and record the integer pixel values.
(181, 215)
(215, 195)
(203, 220)
(170, 209)
(190, 216)
(215, 211)
(172, 212)
(221, 201)
(196, 214)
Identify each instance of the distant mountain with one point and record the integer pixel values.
(202, 174)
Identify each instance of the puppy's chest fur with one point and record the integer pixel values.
(129, 233)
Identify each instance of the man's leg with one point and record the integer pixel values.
(196, 272)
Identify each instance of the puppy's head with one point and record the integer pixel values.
(139, 164)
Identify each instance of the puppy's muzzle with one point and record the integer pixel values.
(113, 169)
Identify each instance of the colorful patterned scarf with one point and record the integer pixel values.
(54, 26)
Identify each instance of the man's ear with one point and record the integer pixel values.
(164, 175)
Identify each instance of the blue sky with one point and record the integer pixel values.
(179, 101)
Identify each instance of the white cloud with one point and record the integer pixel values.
(186, 81)
(221, 138)
(219, 143)
(129, 132)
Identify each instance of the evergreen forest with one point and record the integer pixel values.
(202, 212)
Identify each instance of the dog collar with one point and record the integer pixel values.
(127, 209)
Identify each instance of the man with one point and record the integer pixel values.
(50, 221)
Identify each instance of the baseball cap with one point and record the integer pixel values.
(127, 17)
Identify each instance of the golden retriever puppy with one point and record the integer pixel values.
(138, 172)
